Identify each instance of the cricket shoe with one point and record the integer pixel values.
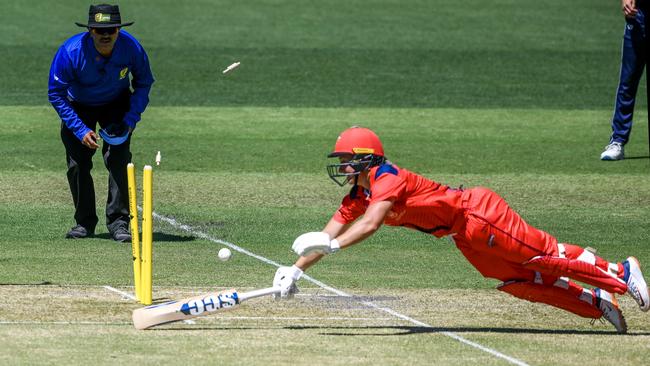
(120, 233)
(607, 303)
(613, 151)
(636, 285)
(79, 232)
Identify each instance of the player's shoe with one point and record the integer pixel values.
(120, 232)
(636, 285)
(611, 312)
(613, 151)
(79, 232)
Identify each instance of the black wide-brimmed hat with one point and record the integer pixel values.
(104, 16)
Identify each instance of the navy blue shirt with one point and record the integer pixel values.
(80, 73)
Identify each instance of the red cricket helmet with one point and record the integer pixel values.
(365, 148)
(357, 141)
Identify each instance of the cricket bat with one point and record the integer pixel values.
(192, 307)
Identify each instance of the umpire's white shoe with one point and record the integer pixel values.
(613, 151)
(636, 285)
(611, 312)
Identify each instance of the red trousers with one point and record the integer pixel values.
(496, 240)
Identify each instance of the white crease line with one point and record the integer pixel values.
(205, 236)
(188, 321)
(55, 322)
(239, 249)
(332, 318)
(125, 294)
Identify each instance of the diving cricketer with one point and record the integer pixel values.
(532, 264)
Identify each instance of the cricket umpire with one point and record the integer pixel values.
(99, 76)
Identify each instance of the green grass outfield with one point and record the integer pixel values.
(512, 95)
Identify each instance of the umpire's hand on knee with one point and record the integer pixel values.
(90, 140)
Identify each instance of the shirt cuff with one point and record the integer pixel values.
(81, 132)
(131, 119)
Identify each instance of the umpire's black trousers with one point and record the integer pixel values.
(79, 160)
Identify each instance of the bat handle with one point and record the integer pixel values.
(258, 293)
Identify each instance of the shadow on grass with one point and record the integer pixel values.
(171, 237)
(408, 330)
(637, 157)
(157, 237)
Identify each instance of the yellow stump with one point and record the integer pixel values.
(147, 235)
(135, 232)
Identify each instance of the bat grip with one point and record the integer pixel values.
(258, 293)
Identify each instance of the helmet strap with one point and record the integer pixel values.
(355, 188)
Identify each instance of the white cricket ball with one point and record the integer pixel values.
(224, 254)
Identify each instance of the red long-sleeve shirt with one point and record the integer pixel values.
(418, 203)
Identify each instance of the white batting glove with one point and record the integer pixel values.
(285, 278)
(315, 242)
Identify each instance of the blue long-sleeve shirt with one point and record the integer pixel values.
(80, 73)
